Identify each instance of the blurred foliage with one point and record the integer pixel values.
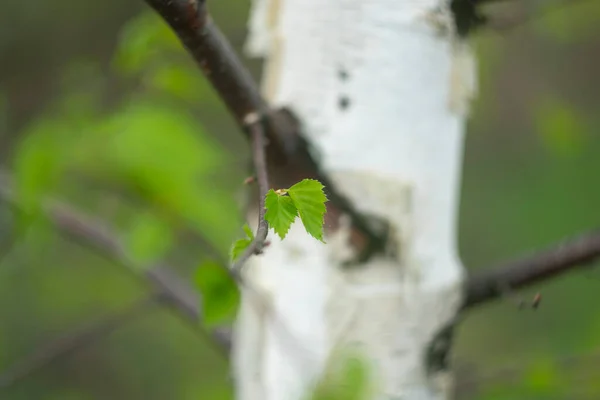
(560, 126)
(149, 146)
(568, 21)
(530, 179)
(148, 151)
(544, 378)
(220, 293)
(149, 238)
(346, 377)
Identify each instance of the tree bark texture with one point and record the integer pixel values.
(381, 89)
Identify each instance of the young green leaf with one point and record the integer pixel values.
(309, 199)
(281, 212)
(241, 244)
(220, 294)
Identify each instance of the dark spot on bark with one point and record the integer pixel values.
(344, 102)
(343, 74)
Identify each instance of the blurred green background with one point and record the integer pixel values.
(100, 106)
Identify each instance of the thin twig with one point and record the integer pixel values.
(254, 124)
(560, 258)
(75, 340)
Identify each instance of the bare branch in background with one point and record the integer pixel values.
(257, 135)
(75, 340)
(560, 258)
(80, 229)
(93, 235)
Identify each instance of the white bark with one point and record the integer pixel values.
(395, 151)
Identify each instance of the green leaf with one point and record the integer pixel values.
(309, 199)
(281, 212)
(242, 244)
(220, 294)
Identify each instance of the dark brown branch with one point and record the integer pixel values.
(192, 23)
(254, 123)
(189, 19)
(492, 283)
(75, 340)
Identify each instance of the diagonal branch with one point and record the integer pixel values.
(558, 259)
(93, 235)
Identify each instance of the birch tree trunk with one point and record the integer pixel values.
(381, 88)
